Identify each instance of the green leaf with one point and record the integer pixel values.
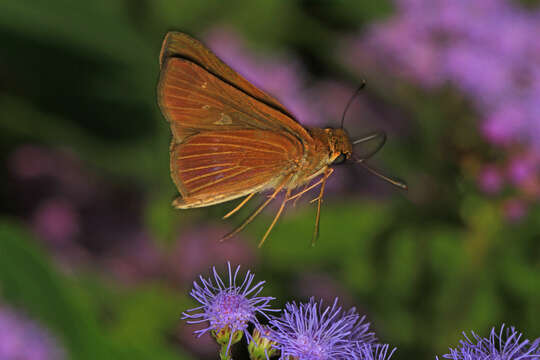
(28, 280)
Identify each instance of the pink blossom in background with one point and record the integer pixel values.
(490, 180)
(514, 210)
(56, 221)
(502, 125)
(29, 161)
(523, 169)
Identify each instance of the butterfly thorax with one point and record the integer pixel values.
(328, 147)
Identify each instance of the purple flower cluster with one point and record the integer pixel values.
(305, 331)
(505, 344)
(21, 338)
(489, 50)
(486, 48)
(309, 331)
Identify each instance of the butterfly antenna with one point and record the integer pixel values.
(394, 181)
(362, 85)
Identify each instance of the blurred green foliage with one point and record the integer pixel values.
(79, 309)
(82, 75)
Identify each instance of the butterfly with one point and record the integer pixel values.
(232, 140)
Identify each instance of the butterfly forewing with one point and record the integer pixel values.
(194, 100)
(181, 45)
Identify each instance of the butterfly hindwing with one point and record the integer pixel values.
(214, 167)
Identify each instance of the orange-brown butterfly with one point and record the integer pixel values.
(231, 139)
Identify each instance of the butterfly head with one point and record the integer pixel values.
(339, 144)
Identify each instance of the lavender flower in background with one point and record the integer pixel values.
(307, 331)
(227, 309)
(487, 49)
(505, 344)
(23, 339)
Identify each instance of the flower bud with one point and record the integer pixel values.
(261, 347)
(223, 336)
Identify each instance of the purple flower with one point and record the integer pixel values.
(373, 352)
(306, 331)
(506, 344)
(21, 338)
(228, 308)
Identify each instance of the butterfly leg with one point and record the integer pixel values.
(327, 174)
(306, 189)
(275, 217)
(298, 198)
(259, 209)
(239, 206)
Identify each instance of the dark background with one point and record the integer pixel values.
(92, 251)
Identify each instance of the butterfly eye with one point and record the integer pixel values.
(339, 160)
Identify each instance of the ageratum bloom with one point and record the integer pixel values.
(506, 344)
(307, 331)
(228, 308)
(373, 352)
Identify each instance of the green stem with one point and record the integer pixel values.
(224, 354)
